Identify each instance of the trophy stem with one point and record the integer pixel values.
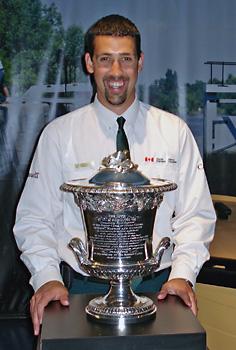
(121, 303)
(120, 294)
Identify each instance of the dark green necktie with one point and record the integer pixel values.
(121, 138)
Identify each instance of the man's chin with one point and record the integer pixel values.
(116, 100)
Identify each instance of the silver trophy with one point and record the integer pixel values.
(118, 206)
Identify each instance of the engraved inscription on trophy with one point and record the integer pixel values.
(113, 237)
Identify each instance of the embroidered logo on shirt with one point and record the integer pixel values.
(34, 175)
(159, 160)
(154, 160)
(84, 165)
(171, 160)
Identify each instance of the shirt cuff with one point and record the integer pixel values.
(184, 272)
(51, 273)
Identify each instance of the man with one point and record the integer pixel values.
(74, 145)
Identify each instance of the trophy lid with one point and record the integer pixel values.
(118, 168)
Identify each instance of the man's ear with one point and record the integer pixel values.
(140, 62)
(88, 63)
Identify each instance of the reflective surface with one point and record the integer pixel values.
(119, 219)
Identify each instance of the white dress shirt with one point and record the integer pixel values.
(73, 146)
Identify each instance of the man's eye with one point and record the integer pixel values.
(127, 58)
(104, 59)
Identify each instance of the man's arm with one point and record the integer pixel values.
(39, 209)
(193, 223)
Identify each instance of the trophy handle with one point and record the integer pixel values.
(162, 246)
(80, 251)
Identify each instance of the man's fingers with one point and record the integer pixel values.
(194, 307)
(63, 297)
(38, 305)
(64, 300)
(184, 295)
(162, 294)
(189, 299)
(34, 316)
(182, 289)
(50, 291)
(40, 308)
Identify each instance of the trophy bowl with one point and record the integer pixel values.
(118, 206)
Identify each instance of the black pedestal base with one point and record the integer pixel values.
(68, 328)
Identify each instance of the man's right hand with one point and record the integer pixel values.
(50, 291)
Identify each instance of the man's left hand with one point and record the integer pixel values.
(180, 287)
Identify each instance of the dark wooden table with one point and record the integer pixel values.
(67, 328)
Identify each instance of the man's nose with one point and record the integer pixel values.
(116, 68)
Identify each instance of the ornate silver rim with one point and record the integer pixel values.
(83, 186)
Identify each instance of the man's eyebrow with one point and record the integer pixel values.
(127, 54)
(114, 54)
(104, 53)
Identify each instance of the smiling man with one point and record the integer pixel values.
(115, 64)
(73, 146)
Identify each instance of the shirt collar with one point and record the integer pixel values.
(108, 118)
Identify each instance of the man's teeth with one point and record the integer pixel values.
(116, 84)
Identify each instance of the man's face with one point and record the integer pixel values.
(115, 66)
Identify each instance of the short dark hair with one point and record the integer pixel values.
(113, 25)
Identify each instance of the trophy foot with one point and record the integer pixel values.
(124, 308)
(143, 310)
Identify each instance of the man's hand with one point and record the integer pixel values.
(53, 290)
(180, 287)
